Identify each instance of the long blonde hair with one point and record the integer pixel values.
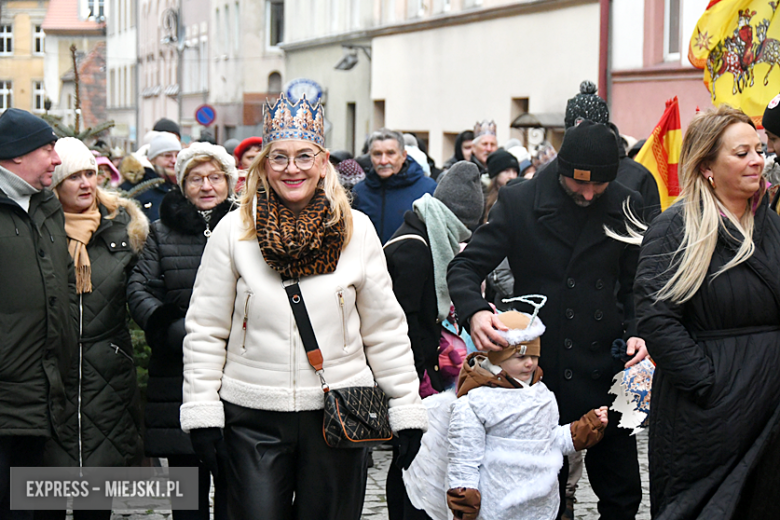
(334, 192)
(702, 209)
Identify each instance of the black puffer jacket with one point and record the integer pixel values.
(410, 264)
(714, 415)
(103, 423)
(159, 295)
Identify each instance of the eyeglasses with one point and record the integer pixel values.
(304, 161)
(215, 179)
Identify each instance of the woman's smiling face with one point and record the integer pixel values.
(295, 186)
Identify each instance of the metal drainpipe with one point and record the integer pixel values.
(604, 16)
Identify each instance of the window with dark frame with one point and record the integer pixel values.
(6, 95)
(40, 40)
(39, 95)
(275, 27)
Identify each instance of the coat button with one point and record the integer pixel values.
(567, 343)
(569, 314)
(598, 315)
(567, 374)
(596, 374)
(113, 244)
(41, 253)
(570, 283)
(52, 301)
(124, 244)
(148, 205)
(599, 284)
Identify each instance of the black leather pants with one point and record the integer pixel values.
(280, 467)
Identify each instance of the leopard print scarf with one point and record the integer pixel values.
(298, 247)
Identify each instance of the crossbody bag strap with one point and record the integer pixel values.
(405, 237)
(313, 352)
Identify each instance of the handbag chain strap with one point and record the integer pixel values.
(313, 352)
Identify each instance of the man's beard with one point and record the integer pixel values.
(578, 199)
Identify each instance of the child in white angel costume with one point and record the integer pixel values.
(494, 451)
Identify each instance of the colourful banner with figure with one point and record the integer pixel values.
(661, 153)
(737, 43)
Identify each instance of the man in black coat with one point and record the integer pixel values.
(551, 229)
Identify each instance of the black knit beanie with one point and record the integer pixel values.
(499, 161)
(589, 153)
(21, 133)
(586, 105)
(771, 120)
(166, 125)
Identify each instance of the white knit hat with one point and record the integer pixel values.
(214, 151)
(75, 157)
(163, 143)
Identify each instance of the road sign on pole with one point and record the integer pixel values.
(205, 114)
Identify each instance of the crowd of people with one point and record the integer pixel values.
(440, 286)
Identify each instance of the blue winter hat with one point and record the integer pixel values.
(21, 133)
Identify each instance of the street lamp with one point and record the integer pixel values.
(350, 58)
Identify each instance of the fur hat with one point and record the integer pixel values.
(162, 143)
(499, 161)
(461, 191)
(523, 336)
(586, 105)
(589, 153)
(132, 169)
(21, 133)
(771, 120)
(75, 157)
(214, 151)
(350, 173)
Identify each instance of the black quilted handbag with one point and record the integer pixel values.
(354, 417)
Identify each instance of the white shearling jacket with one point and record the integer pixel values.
(243, 345)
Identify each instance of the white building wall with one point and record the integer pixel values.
(628, 28)
(445, 79)
(121, 58)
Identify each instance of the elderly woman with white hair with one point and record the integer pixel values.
(159, 296)
(105, 235)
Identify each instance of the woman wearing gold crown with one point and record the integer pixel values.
(252, 400)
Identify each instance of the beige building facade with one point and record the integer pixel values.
(436, 67)
(22, 46)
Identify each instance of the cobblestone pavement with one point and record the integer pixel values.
(375, 505)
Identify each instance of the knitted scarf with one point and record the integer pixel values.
(445, 233)
(302, 246)
(79, 227)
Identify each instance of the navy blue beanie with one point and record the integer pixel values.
(21, 133)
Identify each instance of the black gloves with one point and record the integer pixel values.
(209, 447)
(408, 445)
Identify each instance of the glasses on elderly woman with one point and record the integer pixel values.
(303, 161)
(215, 179)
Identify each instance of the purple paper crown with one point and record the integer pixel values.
(299, 120)
(484, 128)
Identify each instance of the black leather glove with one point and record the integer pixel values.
(209, 447)
(408, 446)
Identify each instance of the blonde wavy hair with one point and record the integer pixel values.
(334, 192)
(701, 208)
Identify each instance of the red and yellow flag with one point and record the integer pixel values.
(737, 43)
(661, 153)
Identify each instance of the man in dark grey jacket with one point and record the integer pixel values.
(37, 322)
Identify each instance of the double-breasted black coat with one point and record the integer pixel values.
(714, 414)
(159, 295)
(560, 250)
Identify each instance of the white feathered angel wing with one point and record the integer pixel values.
(426, 478)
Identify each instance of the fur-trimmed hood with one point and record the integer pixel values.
(138, 228)
(473, 375)
(179, 214)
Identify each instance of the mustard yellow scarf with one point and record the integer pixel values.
(80, 227)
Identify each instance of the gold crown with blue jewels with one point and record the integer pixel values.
(484, 128)
(299, 120)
